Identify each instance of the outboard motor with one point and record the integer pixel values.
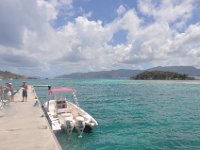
(80, 125)
(69, 126)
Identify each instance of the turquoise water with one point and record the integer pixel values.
(134, 114)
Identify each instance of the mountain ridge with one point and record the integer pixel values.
(6, 75)
(120, 73)
(189, 70)
(127, 73)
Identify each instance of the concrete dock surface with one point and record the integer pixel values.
(23, 126)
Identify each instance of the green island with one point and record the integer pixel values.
(8, 75)
(161, 75)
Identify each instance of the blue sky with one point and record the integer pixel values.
(104, 10)
(55, 37)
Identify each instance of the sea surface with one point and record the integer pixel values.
(140, 115)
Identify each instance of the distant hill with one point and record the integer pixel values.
(9, 75)
(161, 75)
(126, 74)
(188, 70)
(114, 74)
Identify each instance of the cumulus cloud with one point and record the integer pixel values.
(157, 42)
(121, 10)
(168, 11)
(158, 34)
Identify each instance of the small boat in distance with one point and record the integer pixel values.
(65, 114)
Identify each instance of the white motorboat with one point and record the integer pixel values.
(65, 114)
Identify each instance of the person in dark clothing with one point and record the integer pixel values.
(24, 91)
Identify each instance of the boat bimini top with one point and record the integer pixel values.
(54, 90)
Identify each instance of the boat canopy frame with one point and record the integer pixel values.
(65, 89)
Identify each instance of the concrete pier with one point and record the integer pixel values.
(23, 126)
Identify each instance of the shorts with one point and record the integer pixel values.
(24, 93)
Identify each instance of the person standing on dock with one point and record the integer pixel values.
(24, 91)
(11, 91)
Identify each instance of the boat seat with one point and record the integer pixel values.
(67, 115)
(63, 116)
(62, 107)
(61, 110)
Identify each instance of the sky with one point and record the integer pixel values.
(47, 38)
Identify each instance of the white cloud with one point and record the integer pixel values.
(28, 41)
(156, 42)
(121, 10)
(187, 42)
(169, 11)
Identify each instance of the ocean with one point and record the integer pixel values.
(141, 115)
